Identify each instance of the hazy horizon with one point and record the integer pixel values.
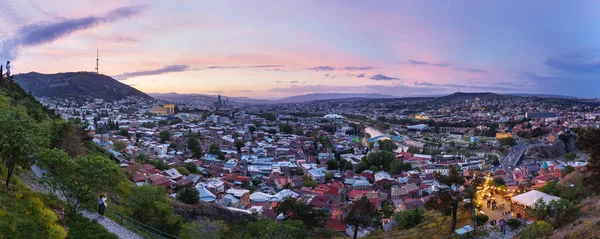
(266, 49)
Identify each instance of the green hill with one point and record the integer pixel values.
(23, 212)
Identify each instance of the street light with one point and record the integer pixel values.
(280, 219)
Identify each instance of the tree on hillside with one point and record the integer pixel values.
(81, 180)
(188, 195)
(361, 214)
(448, 198)
(294, 209)
(556, 212)
(410, 218)
(589, 142)
(164, 135)
(20, 139)
(151, 205)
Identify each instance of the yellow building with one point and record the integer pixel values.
(167, 109)
(501, 135)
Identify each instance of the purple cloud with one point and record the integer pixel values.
(471, 70)
(44, 32)
(382, 77)
(358, 68)
(321, 68)
(585, 62)
(166, 69)
(362, 75)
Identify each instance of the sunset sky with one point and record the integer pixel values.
(273, 49)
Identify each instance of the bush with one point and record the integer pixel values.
(409, 218)
(539, 229)
(183, 170)
(482, 219)
(513, 223)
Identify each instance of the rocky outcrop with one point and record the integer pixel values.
(547, 150)
(211, 211)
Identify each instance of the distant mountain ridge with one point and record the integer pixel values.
(331, 96)
(76, 85)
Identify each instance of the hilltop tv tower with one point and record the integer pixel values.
(97, 61)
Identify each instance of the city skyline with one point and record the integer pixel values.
(265, 49)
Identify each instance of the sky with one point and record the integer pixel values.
(275, 49)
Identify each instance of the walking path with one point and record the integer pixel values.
(119, 230)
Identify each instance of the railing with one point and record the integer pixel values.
(127, 220)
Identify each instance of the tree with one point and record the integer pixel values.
(557, 212)
(238, 145)
(191, 167)
(539, 229)
(333, 164)
(286, 129)
(410, 218)
(361, 214)
(173, 145)
(195, 147)
(204, 229)
(387, 209)
(164, 135)
(588, 141)
(449, 197)
(183, 170)
(150, 204)
(499, 182)
(119, 145)
(329, 176)
(267, 228)
(81, 180)
(188, 195)
(214, 149)
(496, 162)
(293, 209)
(387, 145)
(298, 171)
(399, 166)
(510, 141)
(20, 139)
(413, 150)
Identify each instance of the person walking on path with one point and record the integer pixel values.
(502, 223)
(488, 202)
(101, 205)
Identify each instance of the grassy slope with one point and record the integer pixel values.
(20, 218)
(435, 226)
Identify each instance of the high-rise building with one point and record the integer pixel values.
(219, 102)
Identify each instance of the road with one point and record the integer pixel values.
(513, 157)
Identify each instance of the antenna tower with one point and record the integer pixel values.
(97, 61)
